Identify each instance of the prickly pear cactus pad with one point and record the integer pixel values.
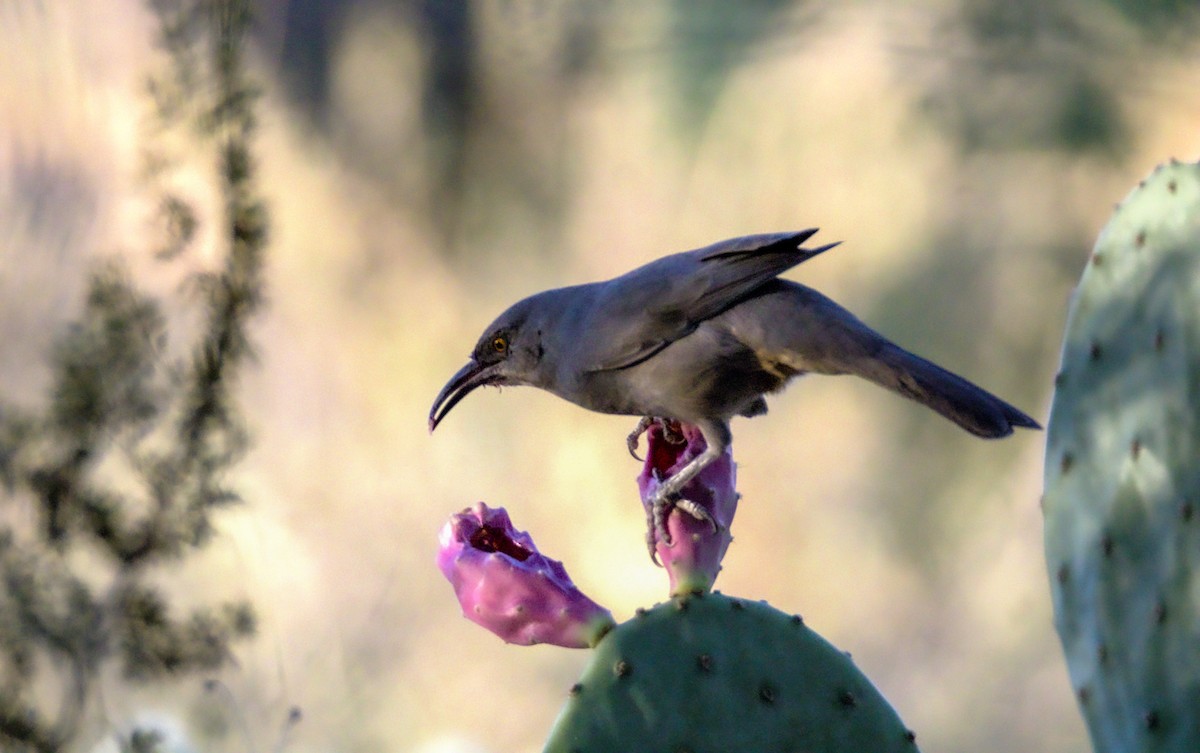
(708, 673)
(1122, 476)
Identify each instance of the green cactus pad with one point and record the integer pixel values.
(710, 673)
(1122, 476)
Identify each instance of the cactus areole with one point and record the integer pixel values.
(1122, 475)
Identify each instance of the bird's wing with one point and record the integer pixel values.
(642, 312)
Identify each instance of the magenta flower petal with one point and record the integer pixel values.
(506, 585)
(693, 558)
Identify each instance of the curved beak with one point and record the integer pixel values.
(460, 385)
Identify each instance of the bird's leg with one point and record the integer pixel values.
(654, 532)
(667, 497)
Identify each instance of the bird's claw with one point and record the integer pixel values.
(652, 537)
(671, 432)
(643, 425)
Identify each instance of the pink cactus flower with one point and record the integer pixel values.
(693, 556)
(506, 585)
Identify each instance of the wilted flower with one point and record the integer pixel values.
(693, 558)
(506, 585)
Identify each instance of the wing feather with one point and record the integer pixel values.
(645, 310)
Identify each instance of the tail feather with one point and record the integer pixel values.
(804, 331)
(966, 404)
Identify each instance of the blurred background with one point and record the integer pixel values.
(426, 163)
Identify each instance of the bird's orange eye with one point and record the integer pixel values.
(500, 345)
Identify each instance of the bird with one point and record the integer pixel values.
(700, 337)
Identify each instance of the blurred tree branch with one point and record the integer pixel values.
(124, 466)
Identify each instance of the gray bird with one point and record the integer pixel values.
(700, 337)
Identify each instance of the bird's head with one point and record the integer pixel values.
(508, 353)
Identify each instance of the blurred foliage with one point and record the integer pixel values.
(179, 226)
(1042, 74)
(449, 83)
(709, 40)
(1003, 79)
(1026, 74)
(123, 468)
(1157, 16)
(999, 75)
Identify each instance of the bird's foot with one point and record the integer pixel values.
(656, 519)
(671, 432)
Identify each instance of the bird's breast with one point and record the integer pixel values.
(707, 374)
